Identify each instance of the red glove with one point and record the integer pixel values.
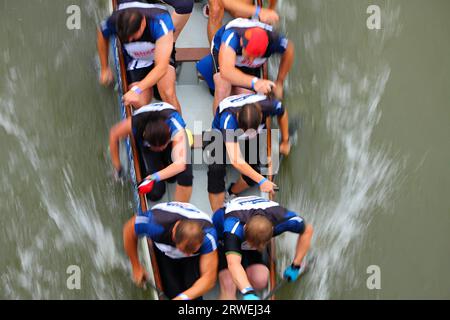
(146, 186)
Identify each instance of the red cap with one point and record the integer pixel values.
(255, 42)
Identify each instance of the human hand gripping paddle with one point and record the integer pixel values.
(142, 280)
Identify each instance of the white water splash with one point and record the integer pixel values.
(353, 177)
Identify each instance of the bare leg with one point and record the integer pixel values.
(223, 90)
(239, 186)
(179, 21)
(182, 193)
(216, 200)
(144, 98)
(258, 275)
(166, 87)
(227, 286)
(216, 12)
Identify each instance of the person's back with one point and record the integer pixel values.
(185, 248)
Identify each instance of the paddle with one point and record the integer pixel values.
(160, 294)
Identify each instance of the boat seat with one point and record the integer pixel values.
(191, 54)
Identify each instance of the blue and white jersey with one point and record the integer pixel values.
(232, 219)
(158, 223)
(231, 35)
(226, 118)
(141, 53)
(142, 115)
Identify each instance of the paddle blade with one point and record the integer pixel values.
(146, 186)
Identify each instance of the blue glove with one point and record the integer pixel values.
(251, 296)
(291, 273)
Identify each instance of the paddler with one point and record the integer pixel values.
(185, 246)
(146, 32)
(242, 118)
(239, 50)
(160, 135)
(245, 226)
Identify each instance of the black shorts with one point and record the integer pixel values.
(177, 275)
(155, 161)
(180, 6)
(249, 257)
(250, 71)
(217, 171)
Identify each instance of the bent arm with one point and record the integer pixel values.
(228, 70)
(287, 60)
(234, 152)
(208, 275)
(163, 50)
(237, 271)
(118, 132)
(103, 49)
(179, 157)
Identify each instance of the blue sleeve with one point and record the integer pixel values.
(218, 221)
(272, 107)
(279, 43)
(231, 39)
(209, 242)
(228, 121)
(234, 226)
(144, 227)
(108, 27)
(161, 25)
(292, 223)
(176, 123)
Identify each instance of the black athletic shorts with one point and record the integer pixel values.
(218, 171)
(180, 6)
(155, 161)
(249, 257)
(251, 71)
(177, 275)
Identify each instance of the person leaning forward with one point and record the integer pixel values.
(185, 247)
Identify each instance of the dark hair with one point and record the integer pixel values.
(128, 23)
(190, 231)
(157, 132)
(250, 117)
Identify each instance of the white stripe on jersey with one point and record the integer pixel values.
(176, 124)
(235, 227)
(184, 209)
(249, 203)
(226, 121)
(212, 240)
(141, 5)
(142, 220)
(247, 23)
(240, 100)
(164, 27)
(227, 42)
(300, 220)
(159, 106)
